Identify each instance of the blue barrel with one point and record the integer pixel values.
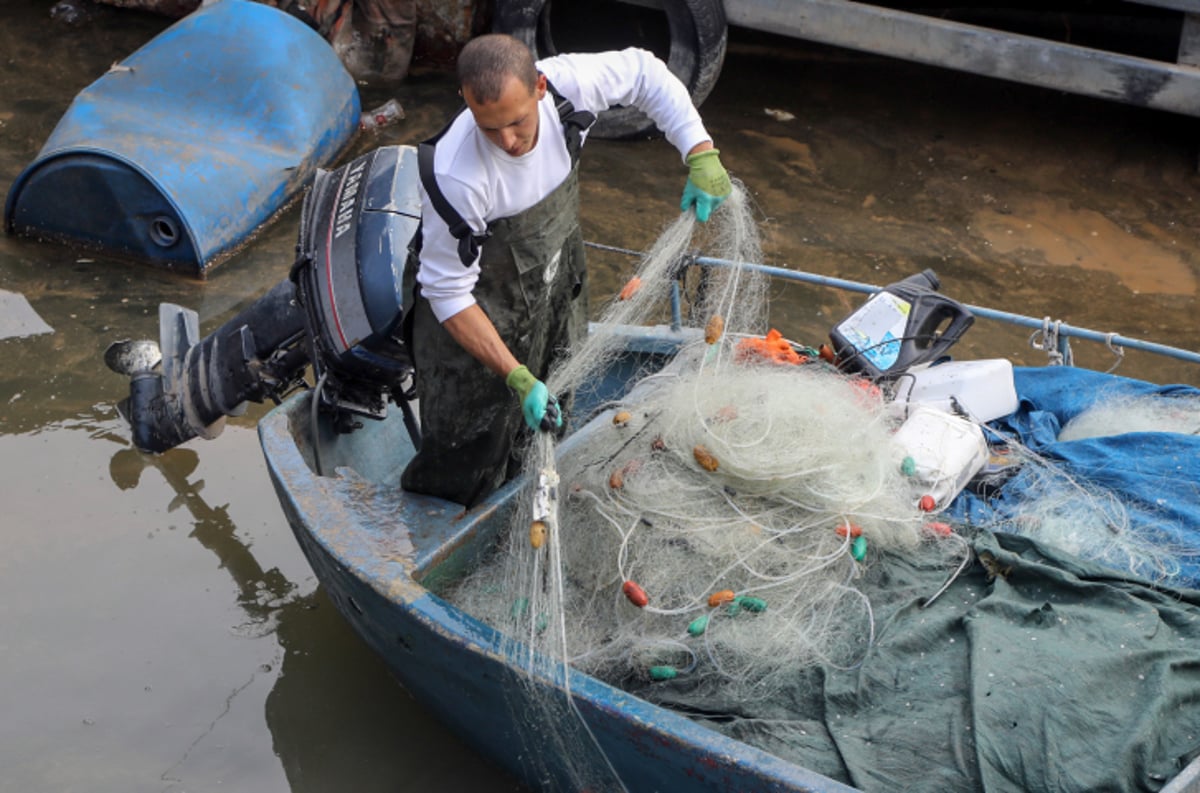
(180, 152)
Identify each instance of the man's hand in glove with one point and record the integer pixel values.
(707, 185)
(537, 404)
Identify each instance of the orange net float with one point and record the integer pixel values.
(714, 329)
(851, 529)
(630, 289)
(705, 458)
(719, 597)
(637, 595)
(939, 529)
(725, 414)
(537, 534)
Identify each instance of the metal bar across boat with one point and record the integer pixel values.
(1062, 329)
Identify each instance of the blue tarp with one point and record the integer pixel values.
(1156, 475)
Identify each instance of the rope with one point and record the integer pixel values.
(1047, 340)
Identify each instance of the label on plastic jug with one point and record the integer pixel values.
(877, 328)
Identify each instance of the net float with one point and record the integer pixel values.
(705, 458)
(714, 329)
(637, 595)
(537, 534)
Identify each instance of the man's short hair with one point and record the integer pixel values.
(486, 63)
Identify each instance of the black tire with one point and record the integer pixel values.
(698, 37)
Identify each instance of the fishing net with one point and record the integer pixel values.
(1097, 517)
(1123, 414)
(711, 532)
(741, 539)
(1084, 518)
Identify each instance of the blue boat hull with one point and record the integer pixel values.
(459, 668)
(184, 149)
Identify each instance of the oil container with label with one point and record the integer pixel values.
(904, 324)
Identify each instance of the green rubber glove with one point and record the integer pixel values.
(539, 407)
(707, 184)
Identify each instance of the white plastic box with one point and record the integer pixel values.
(983, 389)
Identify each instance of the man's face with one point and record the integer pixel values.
(511, 122)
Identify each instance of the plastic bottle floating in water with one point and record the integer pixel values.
(385, 115)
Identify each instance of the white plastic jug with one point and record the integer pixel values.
(939, 452)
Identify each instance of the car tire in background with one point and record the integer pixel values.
(698, 35)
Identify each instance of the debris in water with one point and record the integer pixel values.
(385, 115)
(17, 317)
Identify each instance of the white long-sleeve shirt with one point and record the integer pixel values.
(484, 183)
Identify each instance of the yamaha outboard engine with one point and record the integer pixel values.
(340, 310)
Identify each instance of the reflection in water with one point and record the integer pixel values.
(337, 718)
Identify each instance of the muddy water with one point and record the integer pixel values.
(160, 630)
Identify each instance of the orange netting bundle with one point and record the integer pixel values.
(772, 348)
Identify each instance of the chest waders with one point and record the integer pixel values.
(533, 286)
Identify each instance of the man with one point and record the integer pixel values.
(502, 285)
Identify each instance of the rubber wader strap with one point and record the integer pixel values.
(468, 241)
(574, 123)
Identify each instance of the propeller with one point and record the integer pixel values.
(129, 357)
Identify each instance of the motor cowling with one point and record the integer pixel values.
(356, 229)
(341, 310)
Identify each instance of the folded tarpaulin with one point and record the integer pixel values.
(1155, 532)
(1034, 672)
(181, 151)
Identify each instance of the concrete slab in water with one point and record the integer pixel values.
(17, 317)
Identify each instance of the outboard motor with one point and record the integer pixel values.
(340, 310)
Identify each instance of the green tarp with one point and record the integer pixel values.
(1034, 671)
